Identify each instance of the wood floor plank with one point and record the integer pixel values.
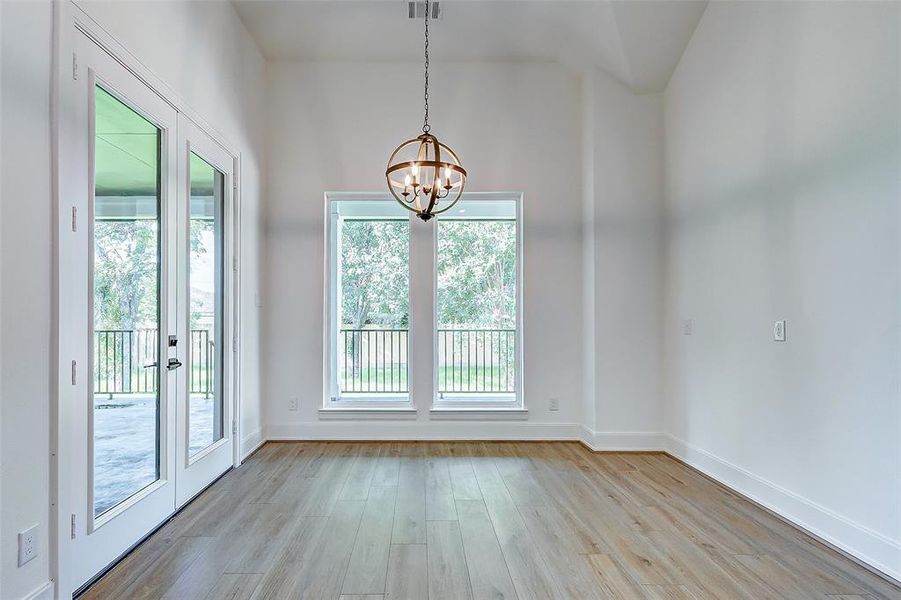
(561, 554)
(669, 592)
(410, 509)
(387, 467)
(787, 583)
(528, 571)
(447, 571)
(235, 586)
(166, 569)
(463, 480)
(263, 534)
(359, 476)
(408, 572)
(284, 575)
(488, 573)
(481, 520)
(368, 564)
(707, 573)
(613, 578)
(439, 491)
(323, 574)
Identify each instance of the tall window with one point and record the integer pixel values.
(477, 339)
(369, 304)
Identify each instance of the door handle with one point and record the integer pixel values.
(152, 365)
(173, 364)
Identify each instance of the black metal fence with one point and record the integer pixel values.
(125, 361)
(373, 361)
(470, 361)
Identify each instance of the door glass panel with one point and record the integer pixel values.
(476, 301)
(205, 423)
(126, 302)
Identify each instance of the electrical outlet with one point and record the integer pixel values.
(687, 326)
(28, 544)
(554, 404)
(779, 331)
(292, 403)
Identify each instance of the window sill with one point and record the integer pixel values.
(361, 412)
(478, 413)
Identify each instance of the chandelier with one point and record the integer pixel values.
(424, 175)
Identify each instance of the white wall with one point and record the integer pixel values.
(782, 161)
(25, 283)
(332, 125)
(624, 246)
(210, 61)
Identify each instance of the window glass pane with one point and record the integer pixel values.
(126, 276)
(371, 298)
(476, 300)
(205, 272)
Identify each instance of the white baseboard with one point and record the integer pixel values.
(598, 441)
(864, 544)
(251, 442)
(44, 592)
(622, 441)
(420, 430)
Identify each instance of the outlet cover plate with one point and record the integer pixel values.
(28, 544)
(779, 331)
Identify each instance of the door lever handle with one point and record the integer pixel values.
(152, 365)
(173, 364)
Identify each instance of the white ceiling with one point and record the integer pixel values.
(639, 42)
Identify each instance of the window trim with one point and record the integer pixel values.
(456, 406)
(333, 405)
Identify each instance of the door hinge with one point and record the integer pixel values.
(74, 218)
(234, 344)
(234, 428)
(235, 182)
(74, 66)
(234, 263)
(74, 372)
(72, 526)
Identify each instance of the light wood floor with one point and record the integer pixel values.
(477, 520)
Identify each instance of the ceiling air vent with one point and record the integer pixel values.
(416, 10)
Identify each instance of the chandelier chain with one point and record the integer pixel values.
(425, 122)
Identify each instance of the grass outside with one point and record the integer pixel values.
(450, 379)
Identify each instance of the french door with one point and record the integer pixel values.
(205, 434)
(147, 298)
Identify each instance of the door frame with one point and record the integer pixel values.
(70, 21)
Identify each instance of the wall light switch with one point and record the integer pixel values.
(687, 326)
(779, 331)
(554, 404)
(28, 544)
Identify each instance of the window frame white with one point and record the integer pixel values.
(333, 404)
(451, 406)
